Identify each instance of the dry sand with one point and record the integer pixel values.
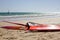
(6, 34)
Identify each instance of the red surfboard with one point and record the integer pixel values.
(34, 26)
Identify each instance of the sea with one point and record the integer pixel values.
(15, 16)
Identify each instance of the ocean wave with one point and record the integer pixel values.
(32, 15)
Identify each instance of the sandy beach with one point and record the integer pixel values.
(29, 19)
(6, 34)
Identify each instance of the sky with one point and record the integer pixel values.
(30, 5)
